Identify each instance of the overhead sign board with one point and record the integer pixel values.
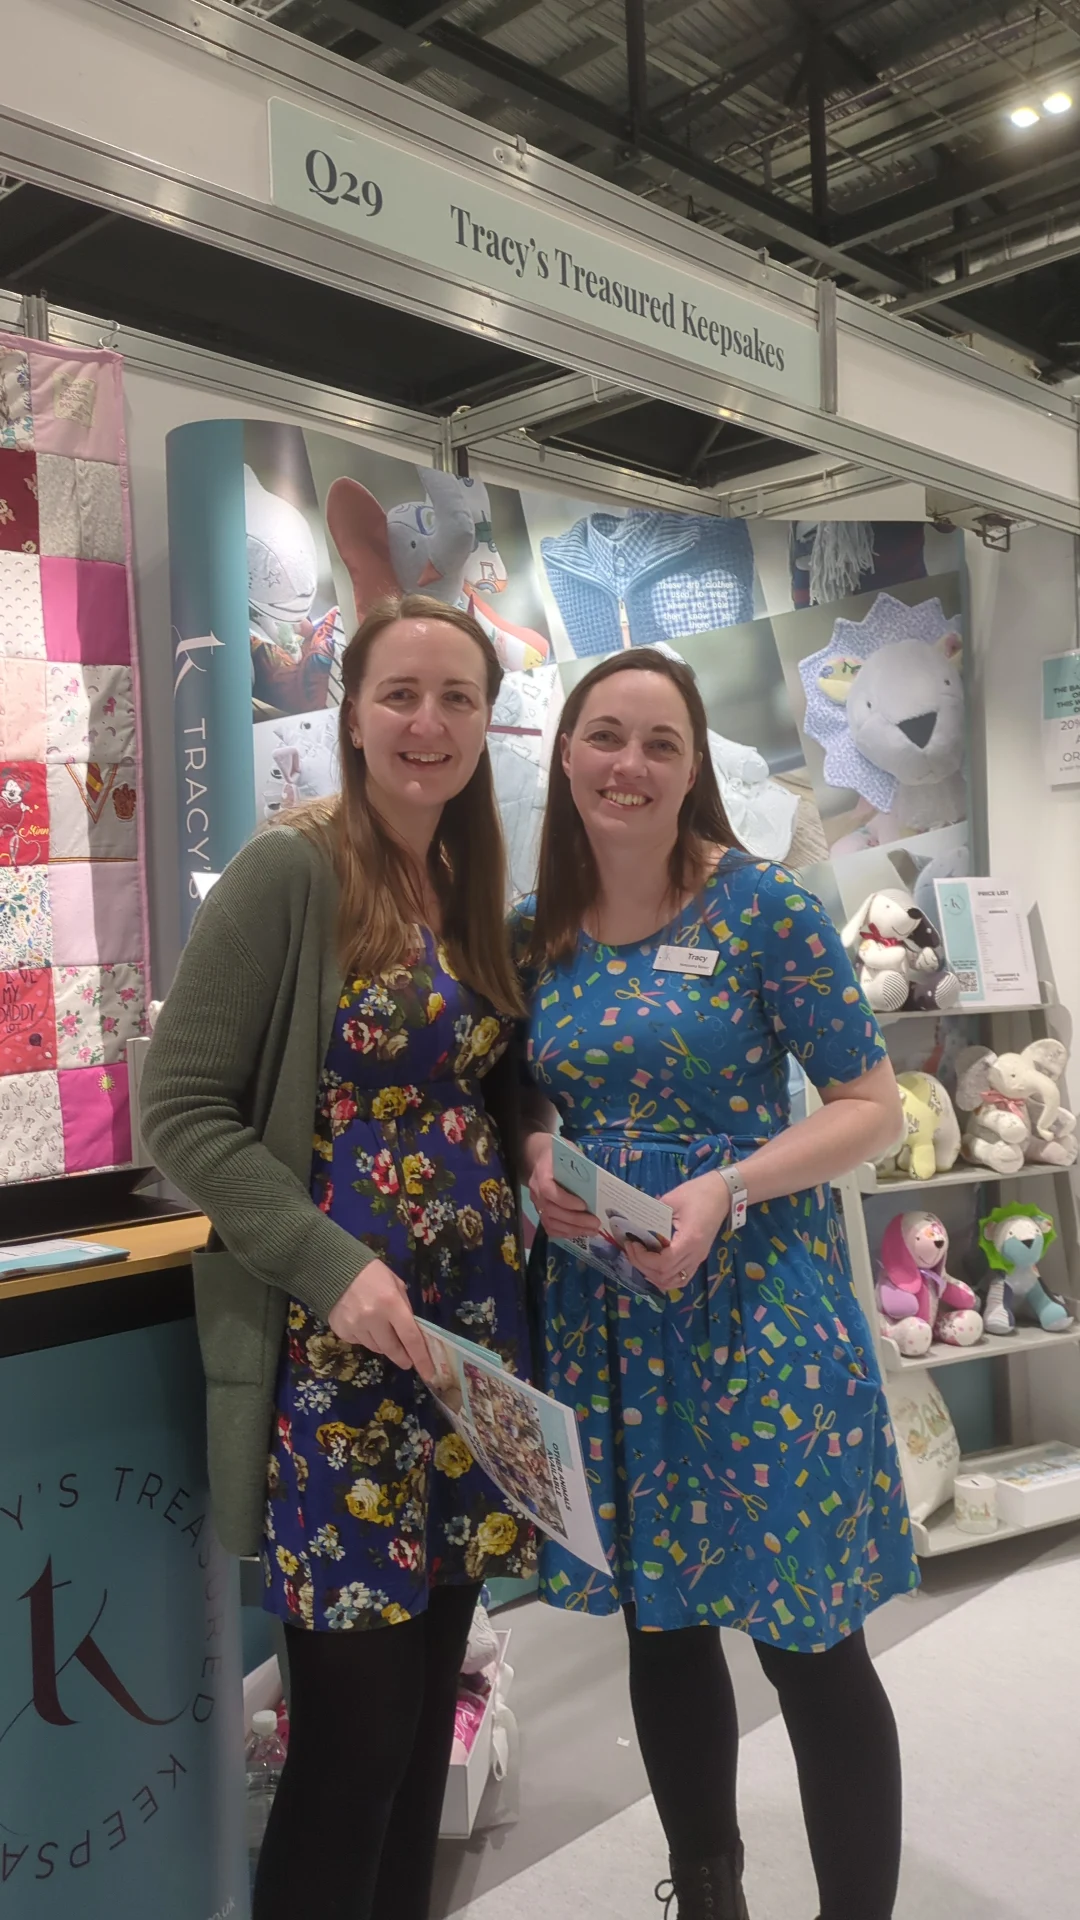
(393, 199)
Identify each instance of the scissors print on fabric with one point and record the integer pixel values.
(824, 1423)
(633, 990)
(788, 1571)
(692, 1063)
(709, 1558)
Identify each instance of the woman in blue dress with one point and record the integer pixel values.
(733, 1422)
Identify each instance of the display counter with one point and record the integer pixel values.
(121, 1776)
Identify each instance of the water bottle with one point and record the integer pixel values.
(265, 1759)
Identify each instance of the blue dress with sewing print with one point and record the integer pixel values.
(736, 1434)
(372, 1498)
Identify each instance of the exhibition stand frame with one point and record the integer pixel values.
(220, 111)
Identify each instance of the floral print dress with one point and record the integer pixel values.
(736, 1433)
(373, 1499)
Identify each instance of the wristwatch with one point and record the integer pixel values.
(740, 1198)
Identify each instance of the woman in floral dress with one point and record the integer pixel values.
(372, 1496)
(734, 1424)
(349, 975)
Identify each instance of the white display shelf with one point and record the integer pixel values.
(992, 1346)
(871, 1182)
(940, 1534)
(1048, 1000)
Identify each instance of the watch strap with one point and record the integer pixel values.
(740, 1198)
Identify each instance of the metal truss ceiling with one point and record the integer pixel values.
(865, 139)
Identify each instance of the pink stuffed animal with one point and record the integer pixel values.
(918, 1299)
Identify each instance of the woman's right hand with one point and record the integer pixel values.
(562, 1215)
(374, 1312)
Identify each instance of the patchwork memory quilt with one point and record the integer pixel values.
(73, 923)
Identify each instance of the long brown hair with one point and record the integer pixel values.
(381, 908)
(568, 885)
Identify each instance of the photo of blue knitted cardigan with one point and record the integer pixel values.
(664, 574)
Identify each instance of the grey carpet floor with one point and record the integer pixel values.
(984, 1667)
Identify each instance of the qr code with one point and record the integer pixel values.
(968, 978)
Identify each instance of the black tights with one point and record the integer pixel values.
(843, 1734)
(355, 1821)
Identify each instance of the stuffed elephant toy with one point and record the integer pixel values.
(1014, 1100)
(931, 1139)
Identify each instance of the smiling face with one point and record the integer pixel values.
(630, 760)
(420, 716)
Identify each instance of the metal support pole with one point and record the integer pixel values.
(34, 323)
(819, 146)
(637, 77)
(828, 359)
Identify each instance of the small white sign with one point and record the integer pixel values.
(987, 944)
(686, 959)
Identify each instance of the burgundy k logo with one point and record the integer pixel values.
(46, 1673)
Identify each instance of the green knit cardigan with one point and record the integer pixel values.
(228, 1107)
(229, 1093)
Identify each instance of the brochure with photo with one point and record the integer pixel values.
(628, 1218)
(525, 1441)
(51, 1256)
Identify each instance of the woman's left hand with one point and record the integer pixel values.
(699, 1209)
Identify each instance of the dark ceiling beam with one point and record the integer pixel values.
(578, 114)
(1015, 219)
(993, 275)
(905, 48)
(1039, 152)
(818, 129)
(637, 69)
(833, 15)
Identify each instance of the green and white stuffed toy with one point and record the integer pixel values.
(1012, 1241)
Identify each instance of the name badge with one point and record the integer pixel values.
(686, 959)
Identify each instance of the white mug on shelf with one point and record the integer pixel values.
(975, 1503)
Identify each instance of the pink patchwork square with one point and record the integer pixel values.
(22, 709)
(75, 400)
(85, 605)
(90, 712)
(97, 1117)
(96, 913)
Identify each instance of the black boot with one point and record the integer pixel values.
(710, 1891)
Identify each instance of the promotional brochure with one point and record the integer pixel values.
(526, 1442)
(54, 1256)
(627, 1217)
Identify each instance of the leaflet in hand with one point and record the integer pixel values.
(627, 1217)
(525, 1441)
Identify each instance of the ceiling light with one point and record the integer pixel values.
(1023, 116)
(1057, 103)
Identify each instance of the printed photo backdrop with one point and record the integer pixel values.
(73, 943)
(830, 655)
